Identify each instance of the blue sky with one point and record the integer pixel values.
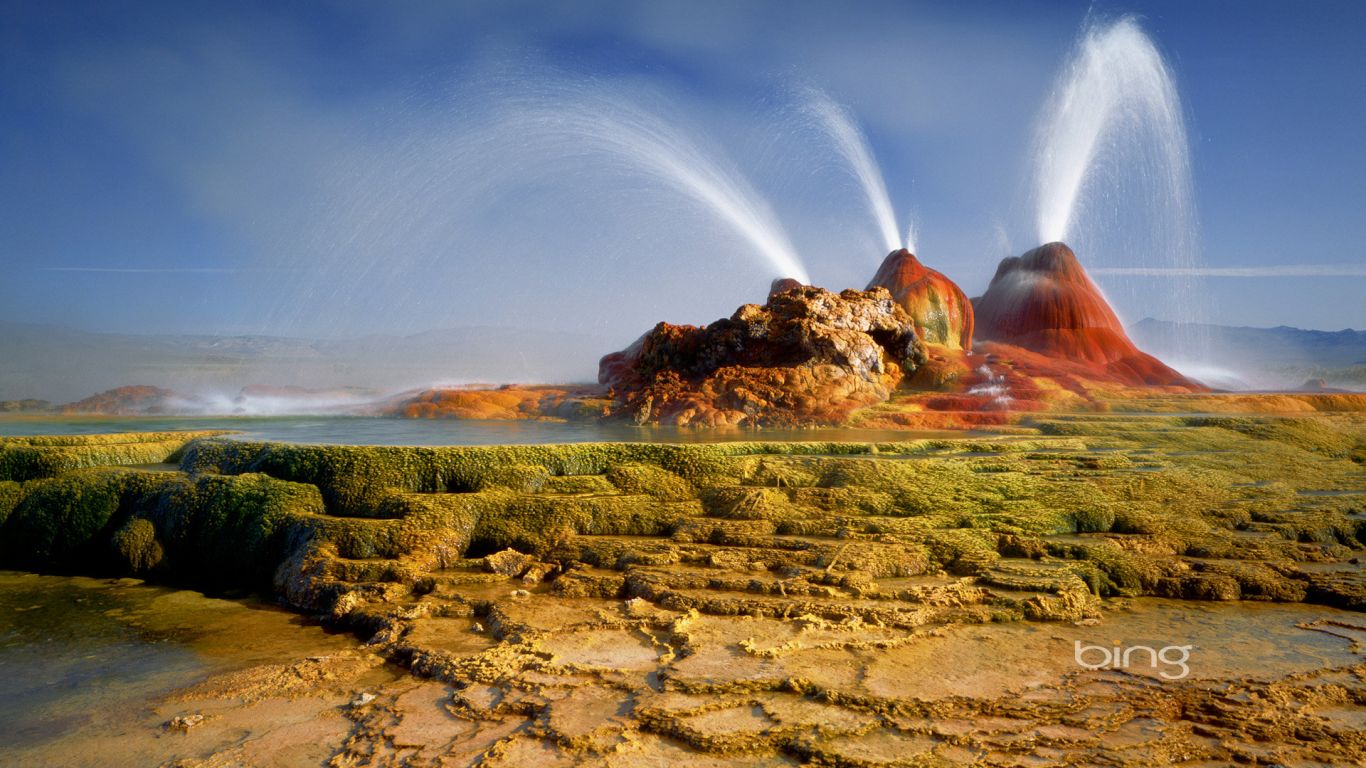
(347, 168)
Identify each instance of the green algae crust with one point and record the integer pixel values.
(31, 458)
(1129, 505)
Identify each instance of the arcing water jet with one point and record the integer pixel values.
(843, 130)
(1111, 171)
(587, 170)
(666, 152)
(1116, 96)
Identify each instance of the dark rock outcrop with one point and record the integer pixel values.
(783, 285)
(807, 356)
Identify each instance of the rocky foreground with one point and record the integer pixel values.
(842, 604)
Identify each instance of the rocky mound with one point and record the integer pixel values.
(504, 403)
(136, 400)
(1045, 302)
(940, 309)
(807, 356)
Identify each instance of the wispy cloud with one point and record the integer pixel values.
(1283, 270)
(160, 270)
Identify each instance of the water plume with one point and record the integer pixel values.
(1115, 93)
(578, 192)
(1111, 166)
(836, 121)
(635, 136)
(911, 233)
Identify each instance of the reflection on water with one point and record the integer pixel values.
(360, 430)
(79, 653)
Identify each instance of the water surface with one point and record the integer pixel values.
(81, 655)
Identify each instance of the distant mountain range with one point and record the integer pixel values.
(1270, 358)
(62, 364)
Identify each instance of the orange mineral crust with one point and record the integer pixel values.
(1045, 302)
(941, 311)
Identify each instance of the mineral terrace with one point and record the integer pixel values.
(843, 604)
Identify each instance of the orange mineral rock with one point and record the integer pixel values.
(1045, 302)
(940, 309)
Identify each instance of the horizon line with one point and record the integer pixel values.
(1286, 270)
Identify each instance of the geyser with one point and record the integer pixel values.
(584, 170)
(668, 154)
(1116, 96)
(1045, 302)
(1111, 169)
(844, 132)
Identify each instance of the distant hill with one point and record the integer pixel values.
(1280, 357)
(62, 365)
